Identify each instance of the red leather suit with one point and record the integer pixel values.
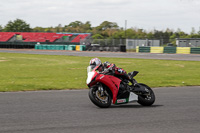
(118, 72)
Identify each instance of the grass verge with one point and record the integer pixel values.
(23, 72)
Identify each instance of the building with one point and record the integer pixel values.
(188, 42)
(132, 43)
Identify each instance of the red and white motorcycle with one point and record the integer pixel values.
(105, 89)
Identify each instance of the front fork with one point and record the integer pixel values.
(100, 89)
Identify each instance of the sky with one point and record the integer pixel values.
(144, 14)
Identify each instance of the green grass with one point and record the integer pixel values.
(21, 72)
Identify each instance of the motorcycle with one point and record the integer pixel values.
(105, 89)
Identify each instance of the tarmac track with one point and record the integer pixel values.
(176, 110)
(189, 57)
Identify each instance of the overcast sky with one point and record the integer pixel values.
(146, 14)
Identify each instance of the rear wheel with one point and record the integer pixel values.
(102, 101)
(147, 99)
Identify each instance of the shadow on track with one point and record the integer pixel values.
(134, 106)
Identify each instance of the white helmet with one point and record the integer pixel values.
(95, 62)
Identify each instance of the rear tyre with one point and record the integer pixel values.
(146, 100)
(98, 100)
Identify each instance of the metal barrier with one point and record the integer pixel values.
(30, 45)
(195, 51)
(171, 50)
(144, 49)
(60, 47)
(156, 50)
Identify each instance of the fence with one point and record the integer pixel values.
(103, 42)
(133, 43)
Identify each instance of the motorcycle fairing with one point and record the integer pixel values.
(112, 83)
(133, 97)
(126, 97)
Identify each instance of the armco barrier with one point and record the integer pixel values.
(137, 49)
(72, 47)
(175, 50)
(156, 50)
(80, 47)
(144, 49)
(36, 46)
(77, 47)
(66, 47)
(195, 51)
(169, 50)
(178, 50)
(60, 47)
(183, 50)
(44, 47)
(50, 47)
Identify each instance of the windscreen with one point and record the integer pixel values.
(89, 69)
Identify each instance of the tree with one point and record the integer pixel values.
(78, 26)
(1, 28)
(48, 29)
(38, 29)
(131, 34)
(119, 35)
(107, 25)
(97, 36)
(17, 25)
(75, 24)
(87, 27)
(150, 35)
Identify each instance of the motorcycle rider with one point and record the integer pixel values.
(118, 72)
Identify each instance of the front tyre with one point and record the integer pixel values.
(99, 100)
(148, 99)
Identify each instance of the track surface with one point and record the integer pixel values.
(176, 110)
(191, 57)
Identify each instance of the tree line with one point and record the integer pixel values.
(106, 30)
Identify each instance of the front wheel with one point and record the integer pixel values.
(99, 100)
(147, 99)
